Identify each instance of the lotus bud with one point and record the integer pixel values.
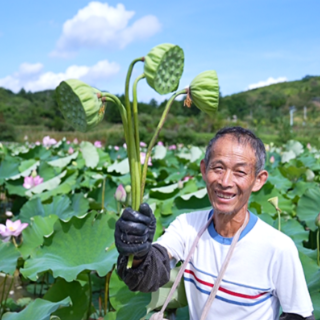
(120, 194)
(34, 174)
(128, 189)
(180, 184)
(317, 221)
(204, 92)
(163, 67)
(80, 104)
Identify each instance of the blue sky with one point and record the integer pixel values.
(248, 42)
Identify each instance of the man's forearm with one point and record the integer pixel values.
(150, 274)
(293, 316)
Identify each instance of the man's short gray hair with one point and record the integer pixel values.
(244, 136)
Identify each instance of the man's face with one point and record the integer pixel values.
(230, 175)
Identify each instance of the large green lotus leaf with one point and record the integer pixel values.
(37, 310)
(294, 146)
(63, 162)
(9, 255)
(46, 171)
(128, 304)
(121, 167)
(90, 154)
(287, 156)
(38, 153)
(279, 181)
(309, 161)
(65, 208)
(159, 152)
(15, 187)
(28, 165)
(79, 295)
(182, 313)
(48, 185)
(159, 297)
(32, 208)
(309, 206)
(295, 230)
(91, 179)
(299, 188)
(33, 236)
(9, 167)
(292, 172)
(266, 192)
(75, 246)
(104, 158)
(110, 203)
(70, 183)
(196, 154)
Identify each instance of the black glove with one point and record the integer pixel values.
(134, 231)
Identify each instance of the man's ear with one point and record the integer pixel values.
(203, 169)
(260, 180)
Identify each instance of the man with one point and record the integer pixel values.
(264, 272)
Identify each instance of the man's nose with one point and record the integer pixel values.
(226, 179)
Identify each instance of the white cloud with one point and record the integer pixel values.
(30, 77)
(103, 26)
(267, 82)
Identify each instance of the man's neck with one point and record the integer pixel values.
(228, 224)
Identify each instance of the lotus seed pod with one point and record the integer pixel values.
(163, 67)
(80, 104)
(204, 92)
(274, 202)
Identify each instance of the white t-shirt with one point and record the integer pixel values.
(264, 271)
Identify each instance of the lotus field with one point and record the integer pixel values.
(60, 201)
(62, 261)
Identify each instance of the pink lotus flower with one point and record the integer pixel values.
(48, 142)
(125, 145)
(180, 145)
(120, 194)
(12, 229)
(142, 144)
(160, 143)
(97, 144)
(70, 151)
(272, 159)
(75, 141)
(116, 148)
(309, 146)
(9, 214)
(187, 178)
(173, 147)
(38, 143)
(68, 142)
(30, 182)
(143, 158)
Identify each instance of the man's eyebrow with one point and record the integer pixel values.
(240, 164)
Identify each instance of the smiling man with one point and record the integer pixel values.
(264, 272)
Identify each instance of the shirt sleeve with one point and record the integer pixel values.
(174, 238)
(289, 281)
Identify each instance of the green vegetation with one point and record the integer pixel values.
(264, 110)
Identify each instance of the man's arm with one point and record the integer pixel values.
(293, 316)
(151, 273)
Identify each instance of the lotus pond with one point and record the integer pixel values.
(64, 198)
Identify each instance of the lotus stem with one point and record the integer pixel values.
(103, 191)
(90, 296)
(106, 291)
(2, 296)
(154, 138)
(279, 220)
(318, 247)
(132, 155)
(136, 120)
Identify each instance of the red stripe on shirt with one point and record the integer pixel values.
(241, 295)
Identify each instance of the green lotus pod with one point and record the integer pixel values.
(204, 92)
(163, 67)
(80, 104)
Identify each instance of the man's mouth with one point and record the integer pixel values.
(225, 195)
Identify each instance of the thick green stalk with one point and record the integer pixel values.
(2, 297)
(154, 139)
(279, 220)
(318, 246)
(132, 154)
(136, 120)
(90, 296)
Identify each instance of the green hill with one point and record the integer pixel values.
(264, 110)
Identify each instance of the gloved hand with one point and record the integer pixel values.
(135, 230)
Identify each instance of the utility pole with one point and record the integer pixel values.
(291, 111)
